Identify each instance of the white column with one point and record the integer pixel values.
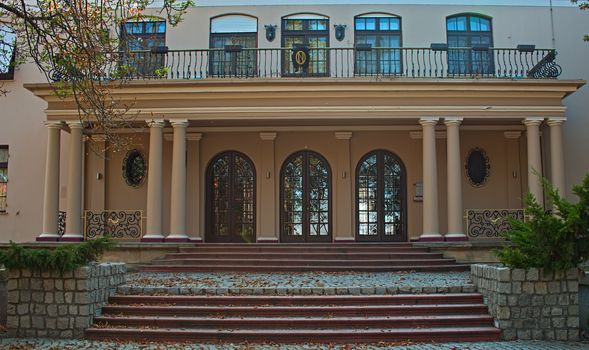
(268, 232)
(455, 207)
(557, 154)
(51, 190)
(193, 185)
(153, 232)
(534, 157)
(178, 192)
(73, 223)
(431, 224)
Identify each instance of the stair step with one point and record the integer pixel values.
(297, 322)
(301, 268)
(299, 300)
(303, 255)
(302, 311)
(352, 335)
(306, 245)
(304, 262)
(284, 248)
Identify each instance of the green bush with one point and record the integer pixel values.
(553, 241)
(63, 258)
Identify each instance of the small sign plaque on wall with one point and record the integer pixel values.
(418, 192)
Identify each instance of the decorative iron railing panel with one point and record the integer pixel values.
(116, 224)
(232, 62)
(61, 223)
(490, 223)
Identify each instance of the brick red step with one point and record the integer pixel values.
(297, 322)
(304, 262)
(296, 311)
(298, 268)
(300, 300)
(303, 255)
(285, 248)
(299, 335)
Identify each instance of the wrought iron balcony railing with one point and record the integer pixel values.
(116, 224)
(438, 61)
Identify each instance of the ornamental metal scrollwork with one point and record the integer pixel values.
(134, 168)
(490, 223)
(546, 68)
(61, 223)
(116, 224)
(477, 167)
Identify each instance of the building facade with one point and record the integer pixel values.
(310, 123)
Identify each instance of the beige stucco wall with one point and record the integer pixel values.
(23, 130)
(501, 191)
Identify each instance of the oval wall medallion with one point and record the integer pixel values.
(134, 168)
(477, 167)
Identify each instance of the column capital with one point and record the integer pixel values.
(428, 121)
(343, 135)
(533, 121)
(513, 135)
(178, 123)
(155, 123)
(54, 124)
(194, 136)
(453, 121)
(74, 124)
(268, 136)
(556, 121)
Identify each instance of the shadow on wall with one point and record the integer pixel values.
(3, 298)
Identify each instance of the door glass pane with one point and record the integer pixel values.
(392, 195)
(243, 199)
(220, 196)
(292, 187)
(318, 179)
(367, 197)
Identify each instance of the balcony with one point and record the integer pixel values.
(437, 61)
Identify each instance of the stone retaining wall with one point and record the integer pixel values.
(530, 304)
(55, 305)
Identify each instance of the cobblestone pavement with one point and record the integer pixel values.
(47, 344)
(299, 280)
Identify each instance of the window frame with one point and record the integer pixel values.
(305, 33)
(470, 34)
(377, 32)
(234, 55)
(4, 165)
(145, 61)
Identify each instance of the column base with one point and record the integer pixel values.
(71, 238)
(177, 239)
(455, 237)
(431, 237)
(152, 239)
(47, 237)
(267, 240)
(344, 240)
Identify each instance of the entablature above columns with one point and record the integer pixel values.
(329, 99)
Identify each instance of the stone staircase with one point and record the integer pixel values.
(327, 257)
(296, 319)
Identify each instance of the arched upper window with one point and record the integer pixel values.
(310, 31)
(233, 33)
(379, 34)
(472, 35)
(7, 53)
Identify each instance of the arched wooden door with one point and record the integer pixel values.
(305, 198)
(231, 199)
(381, 190)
